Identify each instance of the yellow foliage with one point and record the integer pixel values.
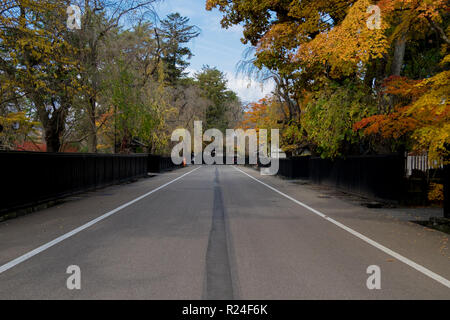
(436, 192)
(347, 44)
(16, 128)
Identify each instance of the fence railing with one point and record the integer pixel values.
(380, 176)
(158, 163)
(295, 167)
(28, 178)
(420, 163)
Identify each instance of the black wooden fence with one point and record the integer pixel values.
(381, 176)
(295, 167)
(447, 191)
(28, 178)
(158, 163)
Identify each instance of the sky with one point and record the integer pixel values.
(216, 47)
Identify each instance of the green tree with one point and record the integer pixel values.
(330, 114)
(175, 32)
(101, 21)
(213, 83)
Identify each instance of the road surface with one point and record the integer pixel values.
(218, 232)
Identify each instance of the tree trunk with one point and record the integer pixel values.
(52, 140)
(54, 129)
(53, 123)
(396, 66)
(282, 91)
(399, 55)
(92, 143)
(92, 138)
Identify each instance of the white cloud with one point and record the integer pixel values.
(247, 89)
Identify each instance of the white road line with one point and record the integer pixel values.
(386, 250)
(44, 247)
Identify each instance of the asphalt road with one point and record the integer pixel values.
(214, 232)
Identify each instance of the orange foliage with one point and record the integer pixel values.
(423, 113)
(256, 116)
(30, 146)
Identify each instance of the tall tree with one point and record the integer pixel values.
(316, 45)
(213, 83)
(38, 61)
(176, 32)
(100, 20)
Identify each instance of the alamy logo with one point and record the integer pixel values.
(258, 148)
(74, 17)
(374, 20)
(74, 280)
(374, 280)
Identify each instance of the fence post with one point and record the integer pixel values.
(447, 183)
(447, 191)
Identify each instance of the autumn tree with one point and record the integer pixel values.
(421, 118)
(132, 91)
(317, 45)
(100, 20)
(418, 113)
(37, 62)
(15, 129)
